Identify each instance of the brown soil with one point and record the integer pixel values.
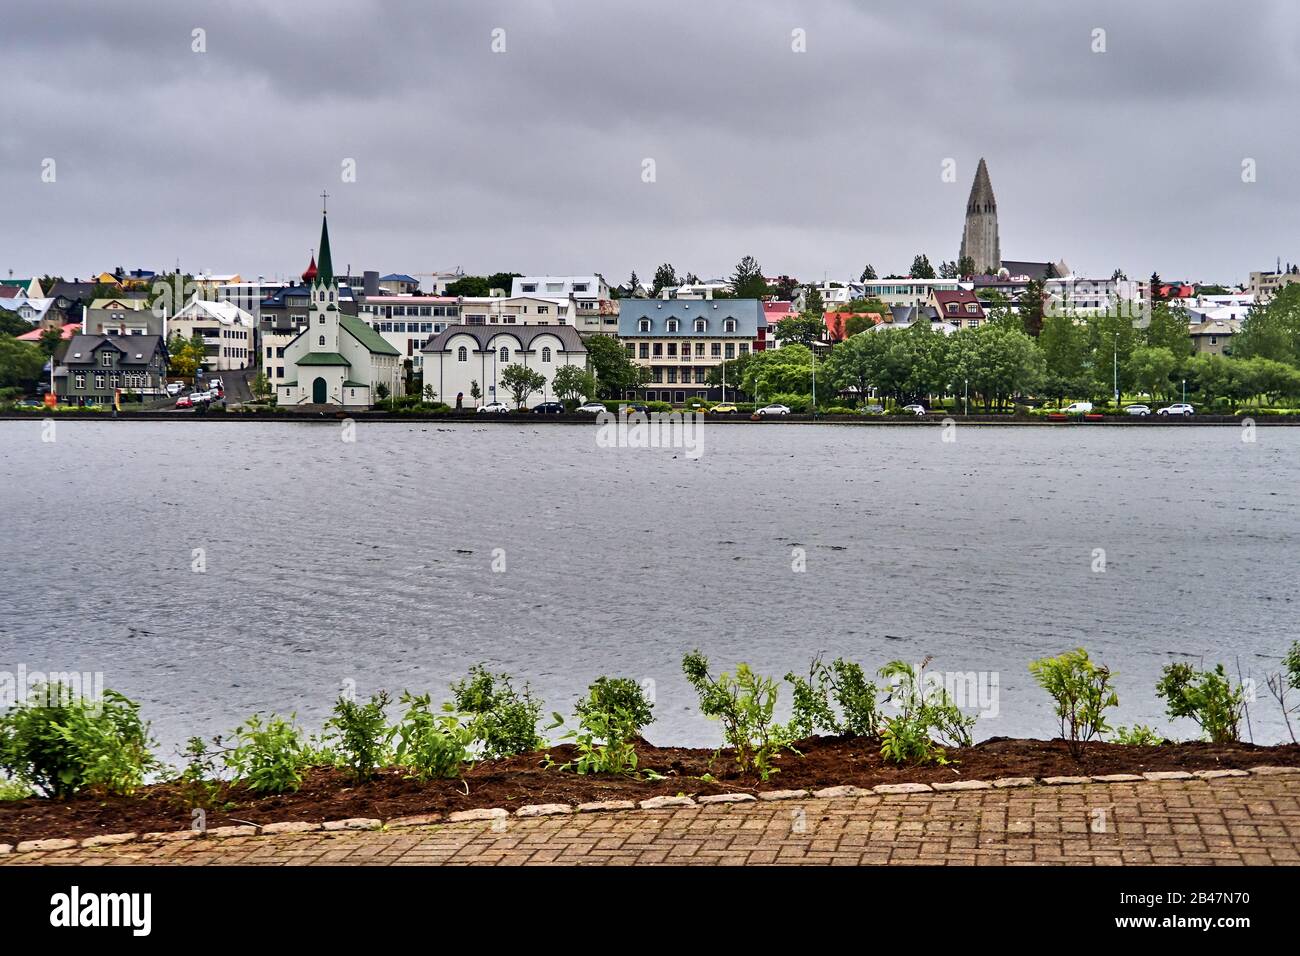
(518, 781)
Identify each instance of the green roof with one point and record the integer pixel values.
(351, 384)
(324, 358)
(367, 336)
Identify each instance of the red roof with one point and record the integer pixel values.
(310, 272)
(961, 298)
(835, 321)
(67, 331)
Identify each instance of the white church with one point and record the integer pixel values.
(336, 359)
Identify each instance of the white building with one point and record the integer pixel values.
(517, 310)
(594, 309)
(910, 292)
(228, 333)
(462, 356)
(406, 322)
(248, 296)
(336, 359)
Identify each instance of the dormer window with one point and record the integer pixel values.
(729, 325)
(673, 325)
(971, 307)
(105, 359)
(952, 306)
(701, 325)
(643, 325)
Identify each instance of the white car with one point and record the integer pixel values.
(1178, 408)
(495, 408)
(1077, 408)
(174, 388)
(773, 409)
(917, 410)
(1142, 411)
(592, 408)
(214, 383)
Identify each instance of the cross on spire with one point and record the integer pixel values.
(323, 196)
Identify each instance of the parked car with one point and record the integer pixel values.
(215, 383)
(592, 408)
(1077, 408)
(773, 409)
(873, 409)
(185, 401)
(723, 408)
(1142, 411)
(917, 410)
(494, 408)
(1178, 408)
(175, 388)
(549, 408)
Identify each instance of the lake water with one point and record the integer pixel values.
(370, 563)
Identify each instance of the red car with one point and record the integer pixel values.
(184, 402)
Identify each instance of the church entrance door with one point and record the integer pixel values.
(318, 391)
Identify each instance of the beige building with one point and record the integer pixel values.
(227, 332)
(1214, 337)
(1264, 285)
(680, 340)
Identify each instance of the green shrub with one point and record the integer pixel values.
(1207, 697)
(269, 756)
(433, 745)
(362, 733)
(853, 694)
(1285, 681)
(504, 720)
(198, 784)
(60, 743)
(14, 790)
(610, 718)
(744, 705)
(1139, 735)
(927, 722)
(1081, 691)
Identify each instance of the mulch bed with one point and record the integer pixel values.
(519, 781)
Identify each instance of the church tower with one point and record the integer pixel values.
(979, 241)
(323, 314)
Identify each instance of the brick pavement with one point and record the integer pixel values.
(1237, 820)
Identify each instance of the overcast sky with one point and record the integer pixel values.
(531, 159)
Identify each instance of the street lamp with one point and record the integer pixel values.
(965, 393)
(1184, 391)
(1116, 371)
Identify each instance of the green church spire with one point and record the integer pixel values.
(324, 265)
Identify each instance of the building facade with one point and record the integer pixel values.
(227, 332)
(89, 369)
(462, 356)
(680, 340)
(979, 239)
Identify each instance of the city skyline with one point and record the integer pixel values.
(860, 149)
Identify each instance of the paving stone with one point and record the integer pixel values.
(963, 785)
(1273, 771)
(467, 816)
(544, 810)
(902, 788)
(352, 823)
(836, 793)
(726, 798)
(784, 795)
(40, 846)
(6, 848)
(416, 820)
(1118, 778)
(1065, 781)
(1168, 775)
(1003, 783)
(110, 839)
(171, 836)
(1219, 774)
(221, 833)
(290, 826)
(604, 806)
(665, 803)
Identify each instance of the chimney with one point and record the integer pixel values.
(370, 282)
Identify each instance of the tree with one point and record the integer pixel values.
(1272, 331)
(802, 329)
(665, 278)
(1067, 357)
(474, 286)
(633, 285)
(261, 385)
(921, 268)
(948, 270)
(1150, 367)
(748, 281)
(572, 382)
(11, 324)
(430, 394)
(49, 341)
(502, 280)
(784, 370)
(1154, 292)
(855, 362)
(965, 266)
(812, 301)
(185, 355)
(382, 391)
(474, 391)
(21, 363)
(785, 288)
(615, 372)
(999, 363)
(868, 274)
(1031, 307)
(1168, 329)
(521, 381)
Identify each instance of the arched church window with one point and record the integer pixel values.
(461, 354)
(322, 340)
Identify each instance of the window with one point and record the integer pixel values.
(672, 376)
(971, 307)
(99, 381)
(673, 325)
(701, 325)
(322, 340)
(699, 349)
(541, 309)
(643, 325)
(715, 349)
(672, 349)
(645, 350)
(744, 348)
(322, 320)
(505, 354)
(731, 350)
(952, 306)
(81, 380)
(268, 351)
(546, 355)
(631, 350)
(729, 325)
(105, 359)
(658, 349)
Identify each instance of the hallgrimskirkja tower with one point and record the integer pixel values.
(979, 240)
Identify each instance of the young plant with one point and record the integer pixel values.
(1207, 697)
(744, 705)
(61, 743)
(1139, 735)
(198, 784)
(504, 719)
(1285, 681)
(269, 756)
(14, 790)
(610, 719)
(435, 745)
(362, 734)
(844, 683)
(1082, 692)
(927, 721)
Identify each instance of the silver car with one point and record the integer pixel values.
(1142, 411)
(773, 409)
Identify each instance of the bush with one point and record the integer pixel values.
(362, 733)
(434, 745)
(854, 695)
(1207, 697)
(60, 743)
(14, 790)
(610, 718)
(1281, 683)
(1139, 735)
(927, 721)
(504, 720)
(744, 705)
(198, 784)
(269, 756)
(1082, 693)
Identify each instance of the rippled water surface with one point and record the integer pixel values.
(371, 561)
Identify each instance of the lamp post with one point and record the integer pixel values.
(1184, 391)
(1116, 371)
(965, 396)
(814, 379)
